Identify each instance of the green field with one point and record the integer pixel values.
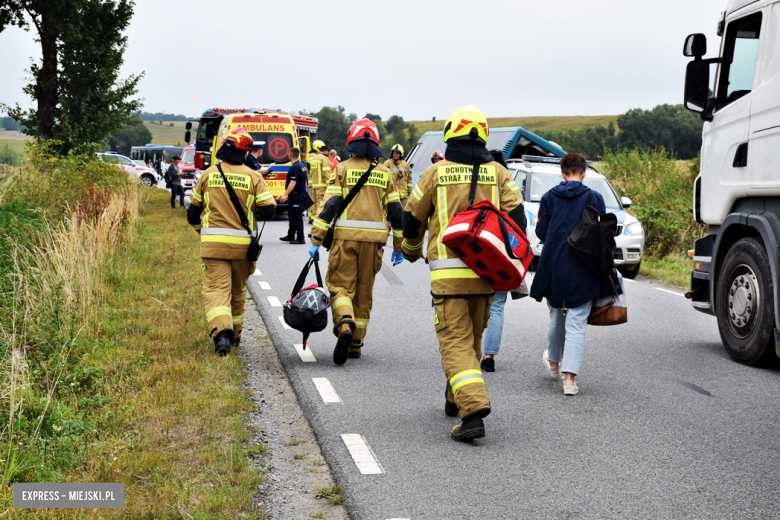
(166, 134)
(535, 123)
(17, 145)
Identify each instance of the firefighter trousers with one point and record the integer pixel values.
(224, 293)
(352, 268)
(459, 324)
(318, 196)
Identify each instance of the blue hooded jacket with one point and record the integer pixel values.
(560, 277)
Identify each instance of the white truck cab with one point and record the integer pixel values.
(737, 194)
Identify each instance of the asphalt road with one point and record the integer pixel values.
(665, 424)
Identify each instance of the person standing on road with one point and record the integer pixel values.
(461, 298)
(253, 158)
(333, 161)
(437, 156)
(174, 175)
(400, 172)
(224, 239)
(295, 192)
(360, 234)
(568, 287)
(319, 175)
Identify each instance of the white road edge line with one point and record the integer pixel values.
(307, 356)
(274, 301)
(265, 286)
(628, 280)
(364, 458)
(668, 291)
(326, 390)
(284, 323)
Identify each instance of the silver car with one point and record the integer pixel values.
(536, 175)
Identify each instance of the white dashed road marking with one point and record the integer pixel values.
(306, 355)
(670, 292)
(265, 286)
(274, 301)
(257, 271)
(326, 390)
(284, 323)
(361, 453)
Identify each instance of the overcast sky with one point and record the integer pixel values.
(413, 58)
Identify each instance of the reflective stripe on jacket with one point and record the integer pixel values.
(319, 170)
(221, 233)
(402, 176)
(441, 192)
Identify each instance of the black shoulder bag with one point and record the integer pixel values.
(328, 240)
(592, 241)
(255, 247)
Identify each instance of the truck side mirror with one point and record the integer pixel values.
(697, 85)
(626, 202)
(187, 136)
(695, 46)
(188, 126)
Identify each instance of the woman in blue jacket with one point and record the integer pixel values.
(560, 278)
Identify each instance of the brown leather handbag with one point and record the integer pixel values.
(611, 310)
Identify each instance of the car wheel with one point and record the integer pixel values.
(632, 272)
(147, 181)
(745, 305)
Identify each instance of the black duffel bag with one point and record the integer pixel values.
(306, 310)
(593, 240)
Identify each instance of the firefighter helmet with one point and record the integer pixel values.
(437, 156)
(363, 129)
(238, 138)
(397, 148)
(318, 146)
(467, 121)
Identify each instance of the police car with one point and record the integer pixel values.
(535, 175)
(148, 176)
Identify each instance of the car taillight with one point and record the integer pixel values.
(199, 161)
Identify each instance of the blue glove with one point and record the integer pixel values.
(313, 251)
(397, 258)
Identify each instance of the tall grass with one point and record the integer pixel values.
(661, 189)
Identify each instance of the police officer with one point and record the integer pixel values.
(295, 194)
(253, 158)
(319, 175)
(356, 252)
(461, 298)
(400, 171)
(224, 240)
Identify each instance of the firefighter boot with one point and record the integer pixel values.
(222, 342)
(471, 428)
(450, 408)
(354, 351)
(235, 342)
(341, 352)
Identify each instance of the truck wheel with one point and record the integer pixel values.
(147, 181)
(632, 272)
(745, 304)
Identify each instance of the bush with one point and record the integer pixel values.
(661, 189)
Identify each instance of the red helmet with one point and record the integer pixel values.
(364, 128)
(239, 138)
(437, 155)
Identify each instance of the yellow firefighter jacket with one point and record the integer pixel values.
(441, 192)
(364, 219)
(319, 170)
(402, 176)
(221, 233)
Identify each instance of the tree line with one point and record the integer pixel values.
(162, 116)
(671, 127)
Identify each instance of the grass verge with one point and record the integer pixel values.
(674, 269)
(142, 399)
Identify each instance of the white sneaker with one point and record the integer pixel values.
(570, 388)
(555, 373)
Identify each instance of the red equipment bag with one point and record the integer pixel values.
(490, 243)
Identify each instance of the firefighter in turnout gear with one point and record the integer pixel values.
(400, 171)
(224, 241)
(461, 299)
(319, 175)
(360, 234)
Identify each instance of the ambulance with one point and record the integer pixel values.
(281, 131)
